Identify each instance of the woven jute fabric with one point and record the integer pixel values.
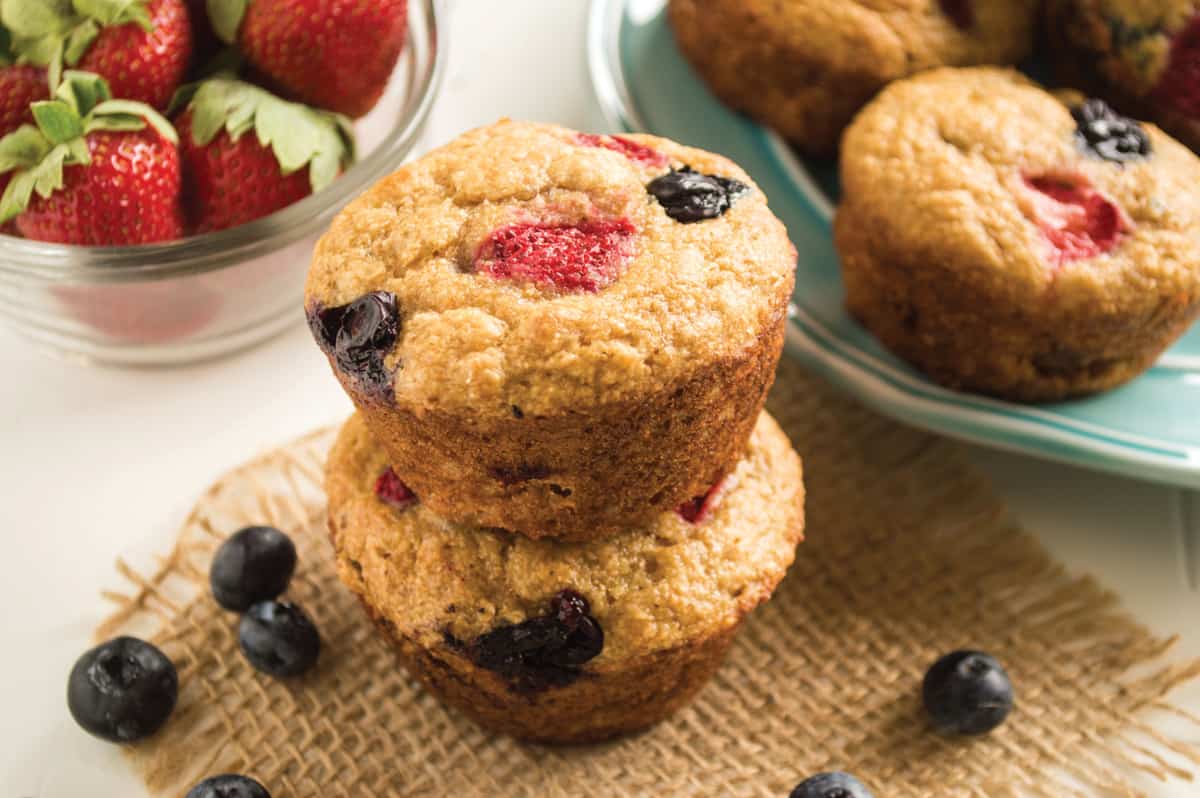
(909, 555)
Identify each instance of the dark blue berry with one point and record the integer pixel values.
(967, 693)
(123, 690)
(831, 785)
(255, 564)
(229, 786)
(1102, 132)
(358, 336)
(689, 196)
(545, 651)
(279, 639)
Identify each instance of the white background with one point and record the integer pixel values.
(98, 461)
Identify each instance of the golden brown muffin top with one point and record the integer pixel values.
(651, 588)
(982, 170)
(889, 38)
(434, 234)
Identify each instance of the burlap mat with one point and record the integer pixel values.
(909, 556)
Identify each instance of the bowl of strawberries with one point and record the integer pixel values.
(166, 166)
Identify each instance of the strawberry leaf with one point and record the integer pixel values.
(22, 148)
(38, 50)
(6, 53)
(79, 40)
(48, 174)
(297, 135)
(115, 122)
(226, 17)
(116, 12)
(83, 91)
(34, 19)
(80, 153)
(57, 120)
(131, 108)
(16, 196)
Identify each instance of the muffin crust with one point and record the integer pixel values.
(805, 67)
(668, 595)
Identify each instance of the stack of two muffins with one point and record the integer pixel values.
(560, 496)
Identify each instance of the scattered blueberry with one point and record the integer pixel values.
(545, 651)
(229, 786)
(279, 639)
(359, 335)
(831, 785)
(967, 693)
(253, 565)
(689, 196)
(1102, 132)
(123, 690)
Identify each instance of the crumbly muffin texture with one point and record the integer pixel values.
(805, 67)
(1142, 55)
(985, 237)
(651, 589)
(650, 296)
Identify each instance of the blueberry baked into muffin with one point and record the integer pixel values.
(1010, 243)
(805, 67)
(1141, 55)
(556, 641)
(556, 333)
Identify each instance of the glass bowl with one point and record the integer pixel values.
(205, 296)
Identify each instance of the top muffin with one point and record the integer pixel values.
(805, 67)
(610, 293)
(538, 304)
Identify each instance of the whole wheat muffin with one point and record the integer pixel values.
(555, 641)
(556, 333)
(1008, 242)
(1141, 55)
(805, 67)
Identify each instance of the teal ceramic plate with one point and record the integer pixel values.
(1148, 429)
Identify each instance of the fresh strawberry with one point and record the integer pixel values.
(20, 86)
(335, 54)
(142, 47)
(94, 171)
(246, 153)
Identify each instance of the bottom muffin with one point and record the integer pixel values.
(556, 641)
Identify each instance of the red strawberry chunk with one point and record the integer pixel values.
(1179, 86)
(1077, 221)
(391, 491)
(632, 150)
(586, 256)
(699, 509)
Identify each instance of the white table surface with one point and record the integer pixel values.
(96, 461)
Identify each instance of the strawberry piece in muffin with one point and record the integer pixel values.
(639, 153)
(392, 492)
(1077, 221)
(586, 256)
